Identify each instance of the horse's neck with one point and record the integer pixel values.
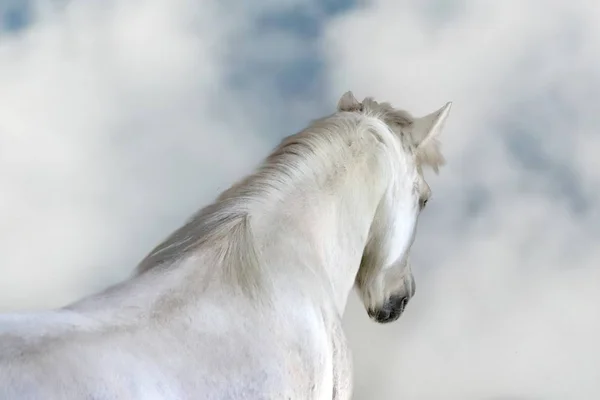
(315, 236)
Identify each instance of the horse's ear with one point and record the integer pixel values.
(425, 132)
(429, 127)
(349, 103)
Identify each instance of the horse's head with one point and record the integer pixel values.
(385, 280)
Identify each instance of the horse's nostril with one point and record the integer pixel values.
(403, 303)
(399, 302)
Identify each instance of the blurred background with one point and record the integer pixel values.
(119, 119)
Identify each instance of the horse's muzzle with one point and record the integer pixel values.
(390, 311)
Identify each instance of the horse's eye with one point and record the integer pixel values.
(424, 203)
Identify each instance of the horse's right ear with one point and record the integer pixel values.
(425, 134)
(429, 127)
(349, 103)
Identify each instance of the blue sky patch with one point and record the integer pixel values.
(295, 73)
(14, 15)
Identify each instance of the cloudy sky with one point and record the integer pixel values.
(118, 119)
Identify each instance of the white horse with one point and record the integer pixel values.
(246, 300)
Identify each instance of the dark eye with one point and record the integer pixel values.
(423, 203)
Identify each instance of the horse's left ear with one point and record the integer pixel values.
(426, 129)
(349, 103)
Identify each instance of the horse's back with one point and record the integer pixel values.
(66, 355)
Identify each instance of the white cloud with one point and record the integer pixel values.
(505, 305)
(112, 132)
(109, 138)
